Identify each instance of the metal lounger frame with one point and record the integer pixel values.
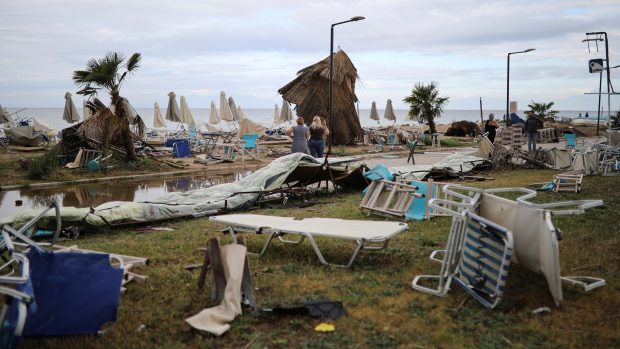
(272, 233)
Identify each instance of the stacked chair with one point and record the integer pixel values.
(489, 232)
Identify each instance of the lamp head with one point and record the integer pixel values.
(529, 50)
(357, 18)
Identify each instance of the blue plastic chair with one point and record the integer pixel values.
(391, 139)
(417, 210)
(250, 143)
(571, 140)
(66, 293)
(180, 149)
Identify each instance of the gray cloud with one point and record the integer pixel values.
(251, 48)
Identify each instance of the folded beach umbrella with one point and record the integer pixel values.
(4, 115)
(186, 114)
(212, 128)
(247, 127)
(276, 115)
(85, 109)
(173, 113)
(389, 111)
(233, 109)
(158, 119)
(374, 115)
(130, 112)
(225, 113)
(286, 115)
(242, 116)
(213, 117)
(40, 126)
(71, 113)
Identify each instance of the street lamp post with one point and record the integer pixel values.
(508, 82)
(331, 80)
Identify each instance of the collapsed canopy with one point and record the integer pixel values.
(310, 92)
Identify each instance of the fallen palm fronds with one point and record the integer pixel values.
(504, 158)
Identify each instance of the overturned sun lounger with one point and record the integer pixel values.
(534, 242)
(368, 235)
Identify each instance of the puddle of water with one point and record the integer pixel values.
(94, 194)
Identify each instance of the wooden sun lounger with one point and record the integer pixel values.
(368, 235)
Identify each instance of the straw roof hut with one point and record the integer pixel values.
(310, 93)
(103, 128)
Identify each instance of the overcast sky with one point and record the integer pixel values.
(252, 48)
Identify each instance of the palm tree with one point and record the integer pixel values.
(425, 104)
(106, 75)
(542, 110)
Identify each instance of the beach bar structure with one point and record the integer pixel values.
(310, 93)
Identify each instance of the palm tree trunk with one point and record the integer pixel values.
(431, 123)
(119, 111)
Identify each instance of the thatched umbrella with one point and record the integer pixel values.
(310, 92)
(86, 110)
(374, 115)
(389, 111)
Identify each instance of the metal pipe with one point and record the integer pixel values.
(508, 81)
(331, 82)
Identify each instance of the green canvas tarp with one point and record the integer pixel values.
(193, 203)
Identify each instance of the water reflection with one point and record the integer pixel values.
(91, 195)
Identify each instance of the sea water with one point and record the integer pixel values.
(53, 116)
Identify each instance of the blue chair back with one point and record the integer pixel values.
(180, 149)
(249, 140)
(391, 139)
(571, 140)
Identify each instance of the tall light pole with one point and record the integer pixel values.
(508, 82)
(331, 80)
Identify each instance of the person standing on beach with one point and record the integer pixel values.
(587, 116)
(300, 134)
(532, 124)
(490, 126)
(317, 137)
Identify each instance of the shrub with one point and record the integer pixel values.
(44, 166)
(463, 128)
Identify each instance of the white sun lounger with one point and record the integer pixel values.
(368, 235)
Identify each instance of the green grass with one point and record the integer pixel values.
(382, 309)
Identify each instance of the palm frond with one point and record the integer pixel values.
(133, 62)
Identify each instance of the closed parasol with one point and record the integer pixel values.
(233, 109)
(173, 113)
(389, 111)
(186, 114)
(276, 115)
(158, 119)
(286, 115)
(374, 115)
(213, 117)
(225, 113)
(71, 114)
